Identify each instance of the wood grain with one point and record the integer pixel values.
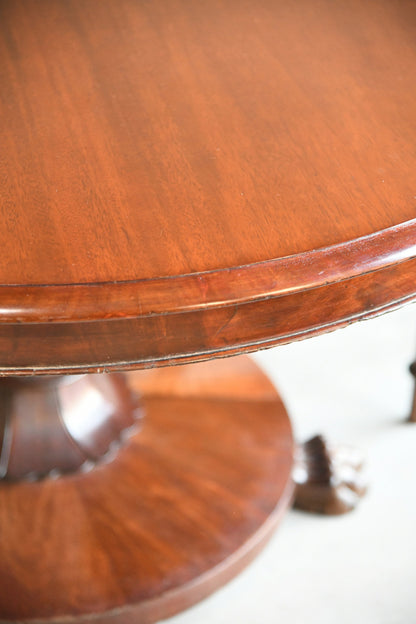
(53, 348)
(223, 133)
(236, 285)
(185, 505)
(56, 425)
(163, 158)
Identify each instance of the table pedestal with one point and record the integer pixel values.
(192, 495)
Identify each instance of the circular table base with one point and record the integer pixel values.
(187, 502)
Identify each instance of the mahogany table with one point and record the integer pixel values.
(180, 181)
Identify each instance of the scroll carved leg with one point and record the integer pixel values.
(54, 425)
(328, 479)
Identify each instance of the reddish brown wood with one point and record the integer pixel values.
(182, 180)
(188, 501)
(162, 160)
(328, 479)
(234, 286)
(61, 424)
(157, 124)
(37, 348)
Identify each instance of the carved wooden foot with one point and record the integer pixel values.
(412, 415)
(328, 479)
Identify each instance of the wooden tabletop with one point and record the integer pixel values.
(171, 171)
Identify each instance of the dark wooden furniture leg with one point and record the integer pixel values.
(412, 416)
(192, 494)
(328, 479)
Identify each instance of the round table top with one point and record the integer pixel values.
(182, 179)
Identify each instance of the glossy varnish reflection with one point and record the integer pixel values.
(188, 501)
(147, 141)
(181, 180)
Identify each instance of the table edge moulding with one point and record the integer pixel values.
(43, 303)
(117, 325)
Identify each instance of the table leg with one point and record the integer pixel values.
(328, 479)
(412, 416)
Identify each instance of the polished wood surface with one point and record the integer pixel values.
(181, 180)
(46, 348)
(55, 425)
(188, 501)
(162, 160)
(165, 138)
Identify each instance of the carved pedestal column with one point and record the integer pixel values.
(55, 425)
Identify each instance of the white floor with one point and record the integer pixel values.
(352, 385)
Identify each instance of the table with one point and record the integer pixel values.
(180, 181)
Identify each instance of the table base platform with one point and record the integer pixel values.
(188, 500)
